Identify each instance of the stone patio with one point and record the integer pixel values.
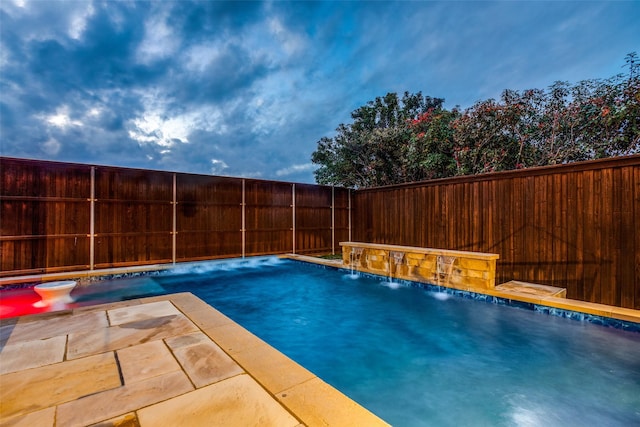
(168, 360)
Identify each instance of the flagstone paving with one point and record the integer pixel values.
(168, 360)
(42, 352)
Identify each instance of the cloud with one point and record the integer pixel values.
(306, 167)
(160, 41)
(290, 42)
(51, 146)
(79, 21)
(218, 166)
(61, 119)
(248, 88)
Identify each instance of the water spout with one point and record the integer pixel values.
(354, 256)
(397, 258)
(444, 269)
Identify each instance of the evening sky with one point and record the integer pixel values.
(248, 88)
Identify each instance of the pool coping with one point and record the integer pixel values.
(289, 387)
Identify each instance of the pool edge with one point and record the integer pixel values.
(297, 390)
(586, 308)
(595, 312)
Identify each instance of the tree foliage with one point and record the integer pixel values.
(371, 150)
(394, 140)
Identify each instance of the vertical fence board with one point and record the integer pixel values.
(626, 245)
(595, 228)
(607, 255)
(618, 223)
(341, 210)
(635, 183)
(573, 236)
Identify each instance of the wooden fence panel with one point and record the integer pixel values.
(341, 212)
(133, 217)
(209, 217)
(574, 226)
(63, 217)
(636, 208)
(269, 217)
(44, 217)
(313, 218)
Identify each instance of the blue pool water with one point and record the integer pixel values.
(420, 358)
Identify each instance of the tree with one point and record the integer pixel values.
(394, 140)
(430, 151)
(371, 150)
(592, 119)
(493, 136)
(589, 120)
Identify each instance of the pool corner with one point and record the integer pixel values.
(130, 362)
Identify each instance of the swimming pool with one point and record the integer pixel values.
(420, 358)
(416, 357)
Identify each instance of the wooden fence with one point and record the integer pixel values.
(65, 217)
(575, 226)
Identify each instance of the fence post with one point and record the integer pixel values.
(174, 229)
(293, 206)
(244, 223)
(349, 209)
(92, 219)
(333, 220)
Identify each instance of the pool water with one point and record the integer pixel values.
(419, 358)
(413, 357)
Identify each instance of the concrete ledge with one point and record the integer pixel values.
(316, 260)
(419, 250)
(83, 274)
(453, 269)
(532, 289)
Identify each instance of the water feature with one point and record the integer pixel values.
(396, 258)
(444, 269)
(354, 256)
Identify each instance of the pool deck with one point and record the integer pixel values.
(167, 360)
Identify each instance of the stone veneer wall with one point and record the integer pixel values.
(454, 269)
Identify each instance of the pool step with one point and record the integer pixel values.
(314, 259)
(518, 287)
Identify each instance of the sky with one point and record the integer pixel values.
(247, 89)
